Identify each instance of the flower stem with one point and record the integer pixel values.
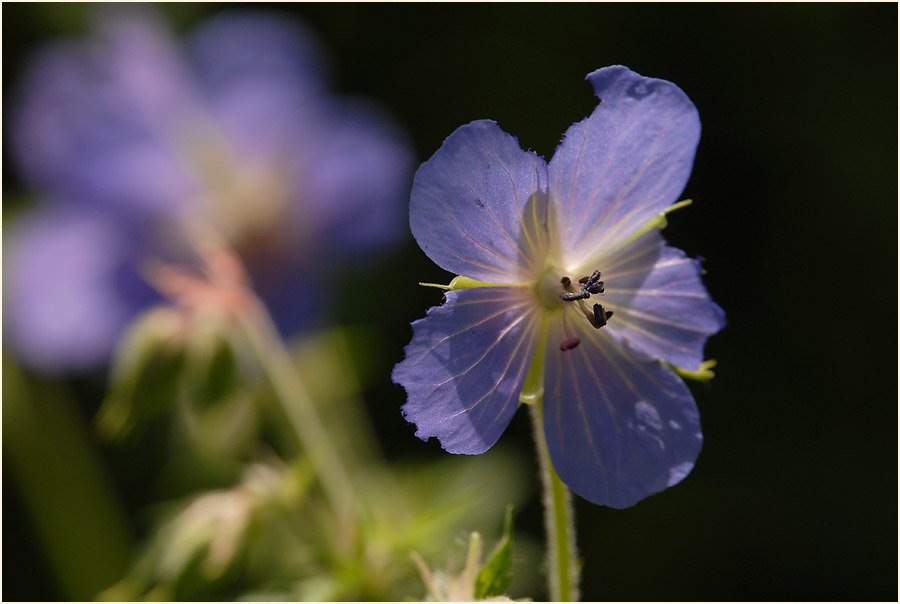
(562, 559)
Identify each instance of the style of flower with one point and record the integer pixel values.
(563, 270)
(138, 147)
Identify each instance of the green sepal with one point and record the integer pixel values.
(211, 370)
(703, 374)
(144, 379)
(495, 575)
(659, 221)
(167, 359)
(460, 282)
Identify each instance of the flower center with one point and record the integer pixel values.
(598, 316)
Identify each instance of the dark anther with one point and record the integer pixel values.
(592, 280)
(595, 288)
(589, 285)
(572, 296)
(601, 316)
(569, 344)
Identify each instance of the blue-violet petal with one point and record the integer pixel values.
(661, 306)
(466, 365)
(624, 164)
(69, 288)
(619, 425)
(469, 202)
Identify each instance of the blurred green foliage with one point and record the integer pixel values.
(269, 532)
(48, 450)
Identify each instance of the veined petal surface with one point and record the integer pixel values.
(466, 365)
(624, 164)
(472, 204)
(661, 306)
(619, 425)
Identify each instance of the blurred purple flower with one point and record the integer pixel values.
(620, 425)
(137, 145)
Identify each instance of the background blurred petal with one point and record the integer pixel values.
(257, 71)
(70, 288)
(78, 130)
(236, 136)
(355, 164)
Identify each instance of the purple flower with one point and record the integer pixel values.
(526, 237)
(138, 146)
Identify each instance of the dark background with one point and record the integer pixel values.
(794, 496)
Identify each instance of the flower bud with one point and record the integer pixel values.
(144, 374)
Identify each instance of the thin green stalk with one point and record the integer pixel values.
(559, 518)
(298, 408)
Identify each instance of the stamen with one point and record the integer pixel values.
(590, 285)
(584, 310)
(601, 316)
(572, 296)
(596, 288)
(569, 344)
(593, 285)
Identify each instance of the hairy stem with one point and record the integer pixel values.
(559, 518)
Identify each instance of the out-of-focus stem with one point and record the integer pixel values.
(226, 285)
(559, 518)
(298, 407)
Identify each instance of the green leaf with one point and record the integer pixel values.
(60, 475)
(495, 576)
